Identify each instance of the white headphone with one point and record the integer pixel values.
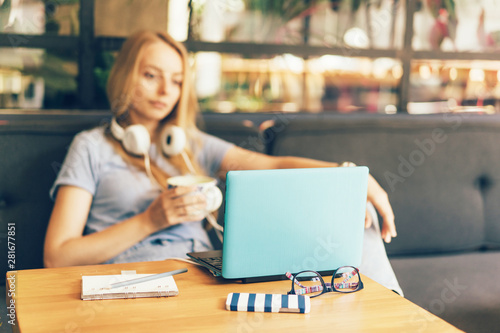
(136, 139)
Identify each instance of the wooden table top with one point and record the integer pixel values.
(48, 300)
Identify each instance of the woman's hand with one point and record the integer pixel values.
(378, 197)
(174, 206)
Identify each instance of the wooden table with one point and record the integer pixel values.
(48, 300)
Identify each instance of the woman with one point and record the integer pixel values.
(107, 207)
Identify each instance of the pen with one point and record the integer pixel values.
(147, 278)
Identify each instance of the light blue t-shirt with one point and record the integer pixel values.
(121, 190)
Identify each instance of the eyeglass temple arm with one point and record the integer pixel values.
(348, 276)
(308, 290)
(290, 276)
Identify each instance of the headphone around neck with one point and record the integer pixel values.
(137, 141)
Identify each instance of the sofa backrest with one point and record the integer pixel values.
(441, 172)
(31, 154)
(32, 149)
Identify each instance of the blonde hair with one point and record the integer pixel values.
(121, 84)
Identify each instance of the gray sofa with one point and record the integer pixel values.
(441, 174)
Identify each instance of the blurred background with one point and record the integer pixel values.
(345, 56)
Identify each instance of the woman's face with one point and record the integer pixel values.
(158, 86)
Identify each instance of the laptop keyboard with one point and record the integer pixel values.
(214, 261)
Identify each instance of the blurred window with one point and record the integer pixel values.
(334, 23)
(458, 25)
(37, 78)
(37, 17)
(455, 86)
(231, 83)
(251, 55)
(121, 18)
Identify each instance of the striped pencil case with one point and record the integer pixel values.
(268, 303)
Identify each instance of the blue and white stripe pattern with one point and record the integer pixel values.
(268, 303)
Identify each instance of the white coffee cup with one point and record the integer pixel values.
(206, 185)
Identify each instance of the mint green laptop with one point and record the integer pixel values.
(289, 220)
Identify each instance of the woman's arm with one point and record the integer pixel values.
(241, 159)
(65, 244)
(238, 158)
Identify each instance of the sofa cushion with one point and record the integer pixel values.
(440, 172)
(462, 289)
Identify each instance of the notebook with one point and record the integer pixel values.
(290, 220)
(97, 287)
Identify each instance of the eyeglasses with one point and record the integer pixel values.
(345, 279)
